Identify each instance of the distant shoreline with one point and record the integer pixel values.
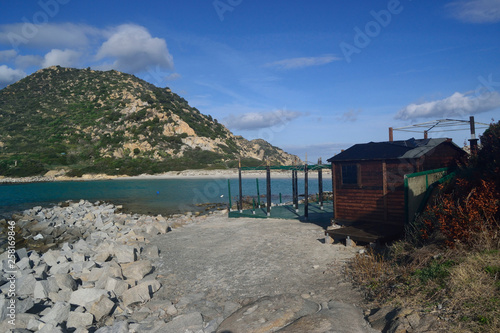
(185, 174)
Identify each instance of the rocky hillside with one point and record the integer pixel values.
(88, 121)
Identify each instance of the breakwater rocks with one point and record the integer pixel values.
(31, 179)
(97, 275)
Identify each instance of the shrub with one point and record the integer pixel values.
(24, 168)
(463, 212)
(467, 208)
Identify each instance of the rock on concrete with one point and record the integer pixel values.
(41, 289)
(268, 314)
(78, 319)
(118, 327)
(190, 322)
(84, 296)
(102, 307)
(336, 317)
(50, 328)
(388, 319)
(137, 270)
(125, 254)
(140, 293)
(116, 285)
(4, 303)
(65, 282)
(58, 314)
(25, 285)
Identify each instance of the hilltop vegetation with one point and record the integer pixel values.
(88, 121)
(449, 262)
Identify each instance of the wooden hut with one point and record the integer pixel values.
(368, 179)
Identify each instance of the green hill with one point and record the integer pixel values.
(88, 121)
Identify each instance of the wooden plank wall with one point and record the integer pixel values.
(380, 194)
(371, 201)
(440, 157)
(395, 190)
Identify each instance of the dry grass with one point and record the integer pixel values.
(461, 285)
(370, 270)
(475, 292)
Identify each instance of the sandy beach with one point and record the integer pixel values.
(228, 173)
(209, 174)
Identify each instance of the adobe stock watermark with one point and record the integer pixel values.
(29, 30)
(223, 6)
(279, 120)
(363, 37)
(485, 93)
(10, 270)
(213, 190)
(156, 75)
(486, 85)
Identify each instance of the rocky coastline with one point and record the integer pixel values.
(88, 267)
(84, 268)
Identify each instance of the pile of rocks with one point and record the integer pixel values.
(99, 278)
(389, 319)
(69, 222)
(32, 179)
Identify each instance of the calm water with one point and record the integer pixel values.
(155, 196)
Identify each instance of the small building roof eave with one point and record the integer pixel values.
(369, 160)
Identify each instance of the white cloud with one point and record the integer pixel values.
(64, 58)
(295, 63)
(7, 55)
(9, 75)
(48, 36)
(457, 104)
(132, 49)
(476, 11)
(221, 89)
(258, 120)
(25, 61)
(351, 115)
(129, 47)
(314, 151)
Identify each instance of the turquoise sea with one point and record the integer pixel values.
(153, 196)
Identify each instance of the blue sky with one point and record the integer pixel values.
(308, 76)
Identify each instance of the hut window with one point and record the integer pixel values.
(350, 174)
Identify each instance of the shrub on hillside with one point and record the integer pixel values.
(462, 211)
(468, 206)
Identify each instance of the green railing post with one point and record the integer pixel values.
(239, 182)
(268, 188)
(306, 192)
(229, 192)
(320, 183)
(258, 193)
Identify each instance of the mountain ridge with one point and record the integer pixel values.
(90, 121)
